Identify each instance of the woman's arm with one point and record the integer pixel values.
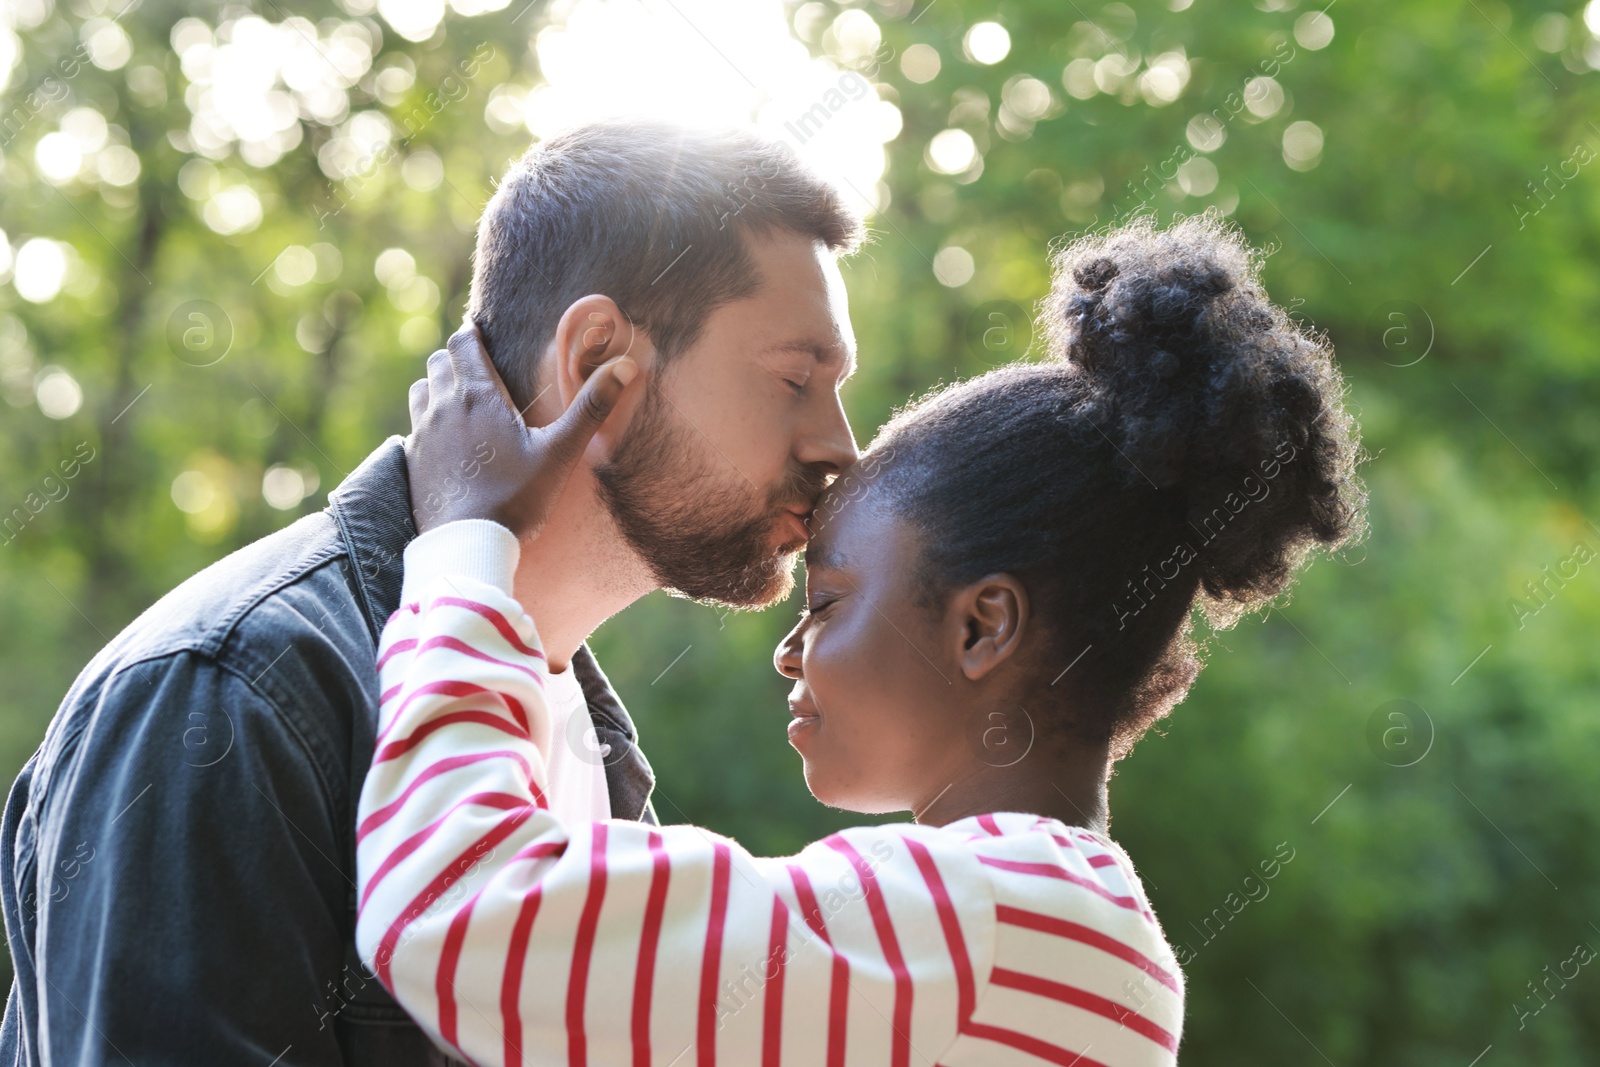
(515, 939)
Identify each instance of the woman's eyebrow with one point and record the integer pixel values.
(824, 557)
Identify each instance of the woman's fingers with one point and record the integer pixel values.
(457, 408)
(473, 368)
(568, 436)
(417, 401)
(441, 376)
(467, 358)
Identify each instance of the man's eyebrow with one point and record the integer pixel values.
(822, 353)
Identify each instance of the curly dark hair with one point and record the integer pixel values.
(1184, 445)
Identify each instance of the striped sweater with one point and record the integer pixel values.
(514, 939)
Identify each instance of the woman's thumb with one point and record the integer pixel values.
(592, 406)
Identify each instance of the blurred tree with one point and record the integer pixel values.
(232, 234)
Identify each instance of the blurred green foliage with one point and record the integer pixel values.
(1435, 219)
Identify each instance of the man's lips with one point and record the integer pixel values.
(795, 521)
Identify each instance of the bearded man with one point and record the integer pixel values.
(212, 902)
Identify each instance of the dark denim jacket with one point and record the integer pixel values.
(179, 862)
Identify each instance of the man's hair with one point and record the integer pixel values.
(648, 213)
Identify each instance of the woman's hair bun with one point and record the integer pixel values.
(1207, 390)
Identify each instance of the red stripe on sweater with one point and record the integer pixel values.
(711, 963)
(486, 718)
(444, 985)
(1099, 859)
(455, 644)
(988, 823)
(1050, 870)
(900, 1049)
(511, 981)
(966, 986)
(384, 956)
(1032, 1045)
(387, 812)
(644, 977)
(412, 608)
(497, 620)
(395, 649)
(772, 1008)
(809, 909)
(839, 990)
(503, 801)
(517, 954)
(1090, 1002)
(1049, 924)
(583, 951)
(450, 687)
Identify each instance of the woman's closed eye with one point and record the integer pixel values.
(818, 606)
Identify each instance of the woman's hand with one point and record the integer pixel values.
(470, 455)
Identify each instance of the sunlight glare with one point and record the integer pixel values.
(720, 62)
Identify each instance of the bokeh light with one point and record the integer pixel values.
(41, 269)
(57, 393)
(1302, 145)
(953, 266)
(952, 151)
(283, 487)
(1314, 30)
(987, 43)
(920, 63)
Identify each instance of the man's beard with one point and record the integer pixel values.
(688, 512)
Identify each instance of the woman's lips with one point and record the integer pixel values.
(804, 718)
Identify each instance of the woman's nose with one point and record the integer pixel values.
(786, 658)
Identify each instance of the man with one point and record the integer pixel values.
(194, 796)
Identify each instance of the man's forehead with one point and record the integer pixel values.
(800, 304)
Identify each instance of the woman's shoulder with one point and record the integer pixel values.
(1072, 925)
(1027, 860)
(1007, 867)
(1033, 859)
(999, 840)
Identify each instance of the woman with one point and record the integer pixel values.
(997, 606)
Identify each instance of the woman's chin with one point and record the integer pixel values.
(830, 792)
(825, 787)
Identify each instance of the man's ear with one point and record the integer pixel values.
(989, 616)
(592, 331)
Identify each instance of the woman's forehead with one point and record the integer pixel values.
(822, 553)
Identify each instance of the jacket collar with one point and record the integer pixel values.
(373, 509)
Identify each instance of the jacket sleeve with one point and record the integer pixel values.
(512, 938)
(177, 875)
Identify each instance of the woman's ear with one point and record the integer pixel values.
(592, 331)
(991, 614)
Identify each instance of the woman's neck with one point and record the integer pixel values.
(1069, 786)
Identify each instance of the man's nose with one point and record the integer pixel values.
(828, 441)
